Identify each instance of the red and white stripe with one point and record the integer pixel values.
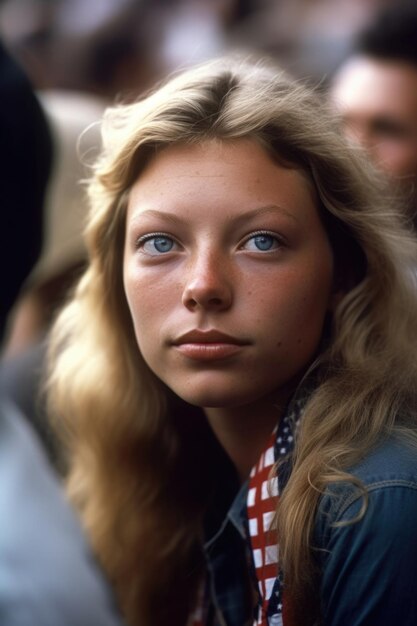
(261, 506)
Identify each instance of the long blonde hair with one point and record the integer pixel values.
(130, 453)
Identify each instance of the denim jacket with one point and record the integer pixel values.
(368, 568)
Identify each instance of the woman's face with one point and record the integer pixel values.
(227, 272)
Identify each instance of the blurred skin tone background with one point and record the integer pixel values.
(375, 90)
(378, 101)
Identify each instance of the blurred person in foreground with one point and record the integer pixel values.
(48, 576)
(376, 91)
(62, 259)
(68, 115)
(235, 375)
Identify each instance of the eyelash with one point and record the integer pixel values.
(141, 241)
(144, 238)
(259, 233)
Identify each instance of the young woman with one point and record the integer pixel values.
(236, 371)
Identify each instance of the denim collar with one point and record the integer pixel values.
(235, 516)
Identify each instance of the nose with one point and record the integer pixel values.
(208, 284)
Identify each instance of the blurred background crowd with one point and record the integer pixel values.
(115, 48)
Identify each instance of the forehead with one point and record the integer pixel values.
(372, 86)
(236, 173)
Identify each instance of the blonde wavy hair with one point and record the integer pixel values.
(139, 469)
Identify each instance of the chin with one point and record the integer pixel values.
(215, 390)
(208, 401)
(216, 400)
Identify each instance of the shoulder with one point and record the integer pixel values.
(366, 540)
(392, 459)
(375, 512)
(388, 472)
(378, 508)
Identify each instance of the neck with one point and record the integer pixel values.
(244, 431)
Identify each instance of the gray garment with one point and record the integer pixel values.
(48, 576)
(21, 380)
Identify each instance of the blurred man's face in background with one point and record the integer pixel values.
(378, 102)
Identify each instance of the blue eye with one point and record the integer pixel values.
(262, 242)
(156, 244)
(162, 244)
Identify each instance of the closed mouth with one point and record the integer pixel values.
(208, 337)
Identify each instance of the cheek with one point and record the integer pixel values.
(307, 309)
(306, 312)
(302, 294)
(143, 297)
(305, 315)
(152, 302)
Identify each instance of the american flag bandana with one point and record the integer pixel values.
(262, 498)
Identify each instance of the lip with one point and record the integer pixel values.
(210, 345)
(211, 336)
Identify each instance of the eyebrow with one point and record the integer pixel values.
(157, 214)
(239, 220)
(263, 210)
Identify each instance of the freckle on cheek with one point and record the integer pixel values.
(279, 344)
